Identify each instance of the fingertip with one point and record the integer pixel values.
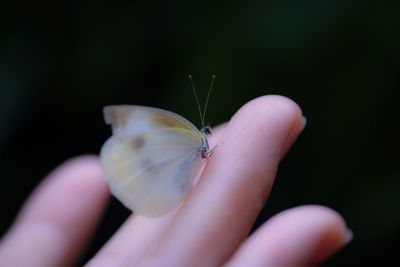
(279, 115)
(284, 107)
(77, 179)
(81, 172)
(301, 236)
(59, 216)
(327, 220)
(287, 113)
(328, 232)
(88, 163)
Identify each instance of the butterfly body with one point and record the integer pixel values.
(152, 157)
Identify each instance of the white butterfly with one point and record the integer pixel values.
(152, 157)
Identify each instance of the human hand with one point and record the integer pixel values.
(209, 229)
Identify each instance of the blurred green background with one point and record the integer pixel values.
(61, 62)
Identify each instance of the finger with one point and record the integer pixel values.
(136, 236)
(233, 189)
(132, 241)
(302, 236)
(55, 223)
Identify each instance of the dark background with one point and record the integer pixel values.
(61, 62)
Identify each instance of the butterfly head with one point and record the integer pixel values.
(206, 130)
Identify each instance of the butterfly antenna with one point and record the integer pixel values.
(197, 100)
(208, 96)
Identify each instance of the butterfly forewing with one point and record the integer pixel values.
(152, 158)
(129, 120)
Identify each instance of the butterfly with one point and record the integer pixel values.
(153, 156)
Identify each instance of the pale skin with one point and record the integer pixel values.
(210, 229)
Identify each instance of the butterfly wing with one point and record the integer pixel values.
(151, 159)
(128, 120)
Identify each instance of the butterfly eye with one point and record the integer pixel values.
(207, 129)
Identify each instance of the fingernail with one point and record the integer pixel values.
(303, 123)
(297, 128)
(349, 236)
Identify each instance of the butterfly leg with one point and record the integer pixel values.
(209, 152)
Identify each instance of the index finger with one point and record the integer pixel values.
(234, 186)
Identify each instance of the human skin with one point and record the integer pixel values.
(210, 229)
